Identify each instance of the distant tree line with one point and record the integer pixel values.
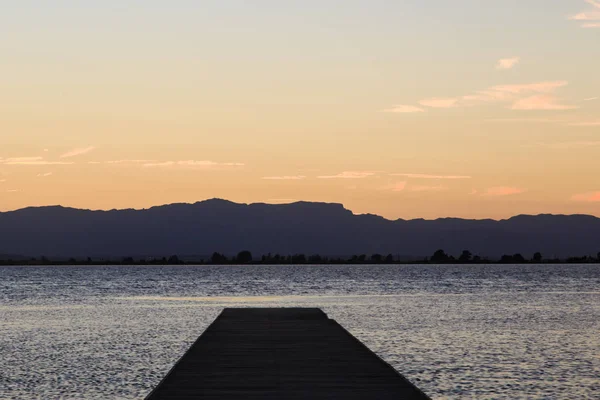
(246, 257)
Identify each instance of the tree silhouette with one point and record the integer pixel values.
(174, 260)
(376, 258)
(244, 257)
(218, 258)
(537, 257)
(298, 259)
(518, 258)
(389, 259)
(315, 259)
(465, 256)
(439, 256)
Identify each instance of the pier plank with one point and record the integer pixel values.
(281, 353)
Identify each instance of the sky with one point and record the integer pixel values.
(405, 109)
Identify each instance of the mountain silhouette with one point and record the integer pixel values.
(302, 227)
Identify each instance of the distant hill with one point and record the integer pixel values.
(303, 227)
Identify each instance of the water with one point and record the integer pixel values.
(496, 331)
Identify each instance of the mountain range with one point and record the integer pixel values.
(303, 227)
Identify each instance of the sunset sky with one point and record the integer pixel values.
(403, 108)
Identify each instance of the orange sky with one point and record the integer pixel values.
(404, 110)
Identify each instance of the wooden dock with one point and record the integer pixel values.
(281, 353)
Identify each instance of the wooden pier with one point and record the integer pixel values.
(281, 353)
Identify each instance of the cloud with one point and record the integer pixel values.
(426, 176)
(284, 178)
(31, 161)
(495, 94)
(591, 99)
(532, 120)
(349, 175)
(571, 145)
(2, 180)
(589, 15)
(586, 16)
(20, 159)
(78, 152)
(43, 175)
(507, 63)
(404, 109)
(127, 161)
(538, 87)
(395, 187)
(192, 164)
(541, 102)
(590, 197)
(12, 190)
(585, 124)
(440, 102)
(594, 3)
(503, 191)
(473, 192)
(427, 188)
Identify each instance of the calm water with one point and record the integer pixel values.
(502, 332)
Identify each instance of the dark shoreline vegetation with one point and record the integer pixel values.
(246, 258)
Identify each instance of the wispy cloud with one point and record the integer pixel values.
(31, 161)
(123, 162)
(129, 161)
(529, 120)
(395, 187)
(541, 102)
(427, 188)
(522, 96)
(192, 164)
(503, 191)
(284, 178)
(538, 87)
(595, 3)
(590, 197)
(585, 123)
(349, 175)
(12, 190)
(440, 102)
(427, 176)
(591, 99)
(570, 145)
(507, 63)
(589, 15)
(404, 109)
(77, 152)
(43, 175)
(2, 180)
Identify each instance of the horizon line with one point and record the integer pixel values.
(288, 204)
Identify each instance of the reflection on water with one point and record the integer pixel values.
(457, 331)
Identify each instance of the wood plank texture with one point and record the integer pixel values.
(281, 353)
